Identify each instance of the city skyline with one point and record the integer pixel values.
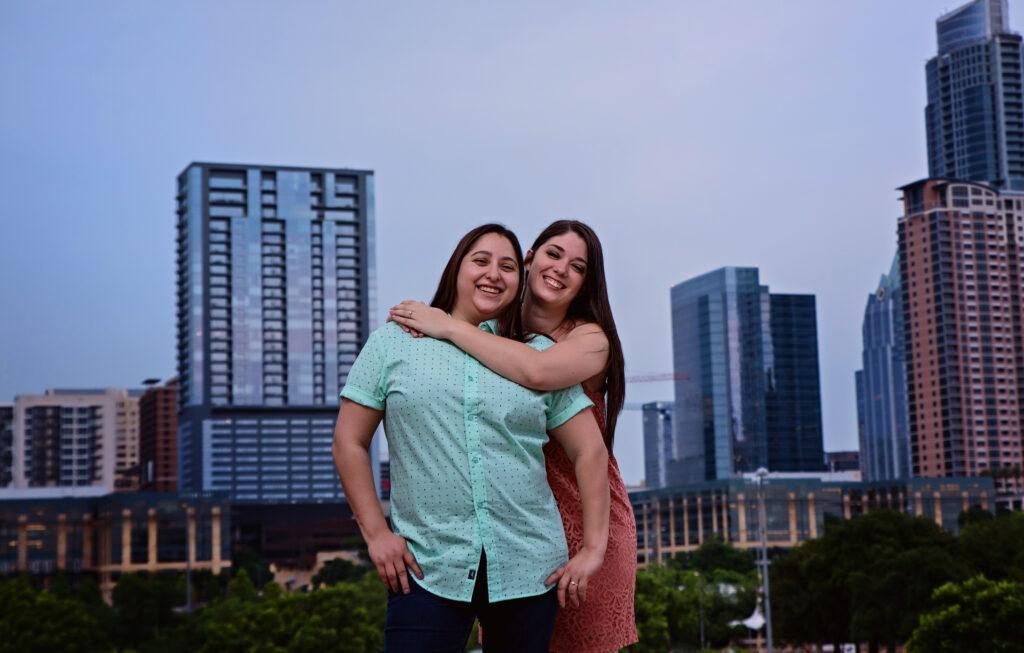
(547, 121)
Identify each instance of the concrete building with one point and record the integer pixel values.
(843, 461)
(881, 384)
(276, 290)
(975, 112)
(659, 443)
(747, 382)
(679, 519)
(126, 442)
(158, 438)
(70, 438)
(959, 248)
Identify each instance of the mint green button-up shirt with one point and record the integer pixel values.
(467, 466)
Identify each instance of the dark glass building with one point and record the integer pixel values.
(793, 386)
(975, 112)
(276, 290)
(881, 385)
(6, 444)
(747, 383)
(659, 444)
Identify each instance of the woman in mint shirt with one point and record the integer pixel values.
(472, 513)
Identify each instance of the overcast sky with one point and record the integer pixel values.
(691, 135)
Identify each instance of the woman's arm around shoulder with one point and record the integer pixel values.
(580, 355)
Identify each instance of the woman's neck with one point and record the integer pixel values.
(538, 318)
(467, 315)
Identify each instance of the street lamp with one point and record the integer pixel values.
(762, 529)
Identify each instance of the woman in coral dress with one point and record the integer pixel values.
(567, 300)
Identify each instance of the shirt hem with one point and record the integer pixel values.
(512, 597)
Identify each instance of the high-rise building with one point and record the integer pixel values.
(793, 385)
(68, 438)
(960, 269)
(275, 297)
(158, 437)
(659, 445)
(126, 442)
(747, 387)
(6, 444)
(881, 384)
(975, 112)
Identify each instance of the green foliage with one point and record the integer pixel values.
(846, 585)
(145, 605)
(337, 571)
(652, 596)
(241, 588)
(34, 621)
(346, 618)
(252, 564)
(977, 615)
(716, 554)
(995, 546)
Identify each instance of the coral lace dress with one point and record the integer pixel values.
(605, 621)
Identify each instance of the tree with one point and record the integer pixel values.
(993, 546)
(651, 599)
(257, 568)
(337, 571)
(33, 621)
(977, 615)
(145, 605)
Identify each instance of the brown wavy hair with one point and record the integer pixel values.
(591, 305)
(510, 321)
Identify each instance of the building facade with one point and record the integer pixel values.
(115, 534)
(276, 290)
(659, 444)
(975, 111)
(158, 438)
(71, 438)
(6, 445)
(793, 385)
(747, 381)
(881, 384)
(126, 442)
(959, 247)
(679, 519)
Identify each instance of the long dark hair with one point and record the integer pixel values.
(591, 305)
(510, 321)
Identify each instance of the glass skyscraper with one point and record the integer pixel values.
(276, 291)
(747, 387)
(659, 446)
(975, 112)
(881, 385)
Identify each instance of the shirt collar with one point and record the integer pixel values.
(490, 326)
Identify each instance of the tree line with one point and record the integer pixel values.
(885, 579)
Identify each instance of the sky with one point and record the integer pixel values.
(690, 135)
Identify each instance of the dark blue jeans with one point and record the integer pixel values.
(420, 622)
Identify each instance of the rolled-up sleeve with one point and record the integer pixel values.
(563, 405)
(365, 383)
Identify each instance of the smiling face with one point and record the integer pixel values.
(558, 269)
(488, 279)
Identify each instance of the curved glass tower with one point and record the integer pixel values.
(975, 112)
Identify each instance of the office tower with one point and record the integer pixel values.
(68, 438)
(6, 444)
(659, 448)
(275, 298)
(881, 384)
(158, 437)
(126, 442)
(793, 392)
(960, 270)
(975, 112)
(737, 408)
